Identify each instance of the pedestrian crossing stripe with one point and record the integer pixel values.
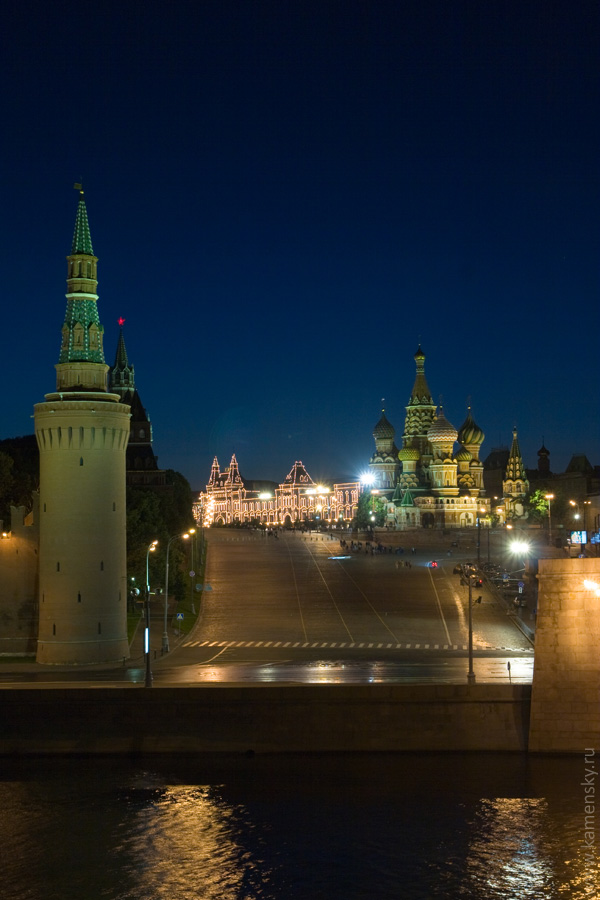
(324, 645)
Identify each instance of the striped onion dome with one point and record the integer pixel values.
(463, 455)
(441, 429)
(470, 432)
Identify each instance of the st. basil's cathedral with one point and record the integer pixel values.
(425, 483)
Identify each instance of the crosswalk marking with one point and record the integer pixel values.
(334, 645)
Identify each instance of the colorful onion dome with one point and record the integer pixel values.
(464, 455)
(470, 432)
(408, 453)
(384, 429)
(441, 429)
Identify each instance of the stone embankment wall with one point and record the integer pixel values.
(565, 708)
(269, 719)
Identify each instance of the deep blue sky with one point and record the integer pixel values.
(285, 197)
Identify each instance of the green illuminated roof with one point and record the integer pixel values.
(82, 240)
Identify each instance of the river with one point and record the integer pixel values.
(416, 827)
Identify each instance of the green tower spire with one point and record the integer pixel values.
(82, 239)
(81, 364)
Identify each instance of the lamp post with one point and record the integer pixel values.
(470, 673)
(549, 498)
(148, 681)
(192, 570)
(585, 503)
(165, 637)
(479, 511)
(576, 515)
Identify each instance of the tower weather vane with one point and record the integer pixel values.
(78, 187)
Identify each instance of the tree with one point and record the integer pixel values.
(19, 473)
(370, 512)
(158, 515)
(536, 506)
(539, 508)
(6, 484)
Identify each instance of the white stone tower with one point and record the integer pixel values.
(82, 433)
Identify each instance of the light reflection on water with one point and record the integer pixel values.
(486, 827)
(193, 845)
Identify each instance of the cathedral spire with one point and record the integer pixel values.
(81, 365)
(515, 470)
(420, 411)
(420, 392)
(515, 485)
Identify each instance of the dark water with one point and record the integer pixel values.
(296, 828)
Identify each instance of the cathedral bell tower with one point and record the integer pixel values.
(82, 433)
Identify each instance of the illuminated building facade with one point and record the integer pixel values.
(426, 483)
(231, 499)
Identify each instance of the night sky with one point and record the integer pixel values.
(287, 197)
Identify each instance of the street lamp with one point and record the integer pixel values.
(165, 637)
(479, 511)
(576, 515)
(148, 681)
(470, 673)
(585, 503)
(192, 532)
(549, 498)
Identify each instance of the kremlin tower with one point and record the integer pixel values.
(82, 433)
(141, 462)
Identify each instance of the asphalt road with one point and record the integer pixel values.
(301, 609)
